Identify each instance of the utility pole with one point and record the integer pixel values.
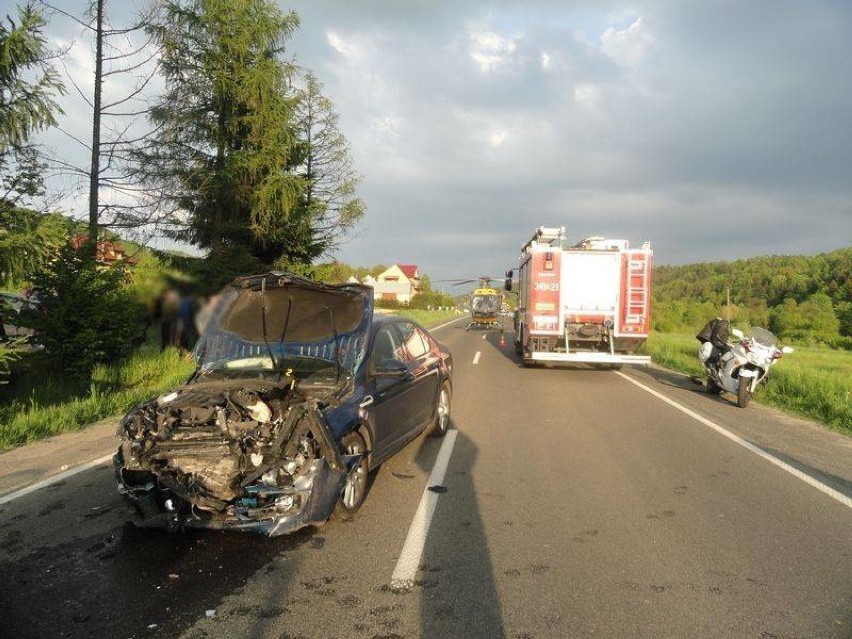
(95, 169)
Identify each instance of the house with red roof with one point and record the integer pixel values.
(107, 252)
(400, 282)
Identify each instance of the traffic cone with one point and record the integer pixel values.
(502, 340)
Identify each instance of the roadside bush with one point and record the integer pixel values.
(88, 316)
(432, 299)
(8, 354)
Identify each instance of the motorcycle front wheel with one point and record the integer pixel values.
(743, 392)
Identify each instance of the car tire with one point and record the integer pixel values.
(355, 486)
(441, 421)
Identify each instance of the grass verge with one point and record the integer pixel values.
(812, 382)
(427, 319)
(39, 403)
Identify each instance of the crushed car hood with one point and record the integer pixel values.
(291, 317)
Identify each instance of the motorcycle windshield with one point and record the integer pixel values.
(764, 337)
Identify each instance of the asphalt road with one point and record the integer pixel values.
(577, 504)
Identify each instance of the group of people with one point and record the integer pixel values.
(175, 314)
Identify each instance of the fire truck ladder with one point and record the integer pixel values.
(637, 290)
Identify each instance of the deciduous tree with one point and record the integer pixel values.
(329, 201)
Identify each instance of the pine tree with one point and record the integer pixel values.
(225, 147)
(28, 86)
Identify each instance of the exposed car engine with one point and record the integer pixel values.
(214, 452)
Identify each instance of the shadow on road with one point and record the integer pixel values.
(507, 350)
(671, 379)
(458, 594)
(117, 581)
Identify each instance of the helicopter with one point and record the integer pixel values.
(484, 302)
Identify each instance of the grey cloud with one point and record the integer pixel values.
(725, 136)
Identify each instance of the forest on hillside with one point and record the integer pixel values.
(800, 298)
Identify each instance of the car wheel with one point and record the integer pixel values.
(355, 486)
(441, 423)
(743, 392)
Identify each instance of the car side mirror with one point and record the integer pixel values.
(391, 367)
(787, 349)
(737, 333)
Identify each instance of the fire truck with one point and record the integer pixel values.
(589, 302)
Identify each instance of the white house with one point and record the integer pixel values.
(400, 282)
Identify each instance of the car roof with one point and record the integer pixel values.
(381, 319)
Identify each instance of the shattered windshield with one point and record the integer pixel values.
(303, 331)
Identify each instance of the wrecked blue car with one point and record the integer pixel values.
(299, 393)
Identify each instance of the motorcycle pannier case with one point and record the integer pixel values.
(717, 332)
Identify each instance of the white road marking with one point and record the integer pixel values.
(5, 499)
(458, 319)
(412, 549)
(476, 358)
(831, 492)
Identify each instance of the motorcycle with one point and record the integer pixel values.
(739, 367)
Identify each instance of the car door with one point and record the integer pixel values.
(388, 412)
(423, 367)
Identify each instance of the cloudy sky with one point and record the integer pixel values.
(715, 129)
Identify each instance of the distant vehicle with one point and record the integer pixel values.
(590, 302)
(739, 367)
(485, 303)
(299, 393)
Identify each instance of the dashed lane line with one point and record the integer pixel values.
(476, 358)
(828, 490)
(458, 319)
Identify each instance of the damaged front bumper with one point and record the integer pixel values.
(287, 511)
(210, 466)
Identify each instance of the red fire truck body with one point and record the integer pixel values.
(590, 302)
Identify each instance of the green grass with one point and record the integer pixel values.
(427, 319)
(812, 382)
(39, 402)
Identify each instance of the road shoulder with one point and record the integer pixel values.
(807, 445)
(38, 461)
